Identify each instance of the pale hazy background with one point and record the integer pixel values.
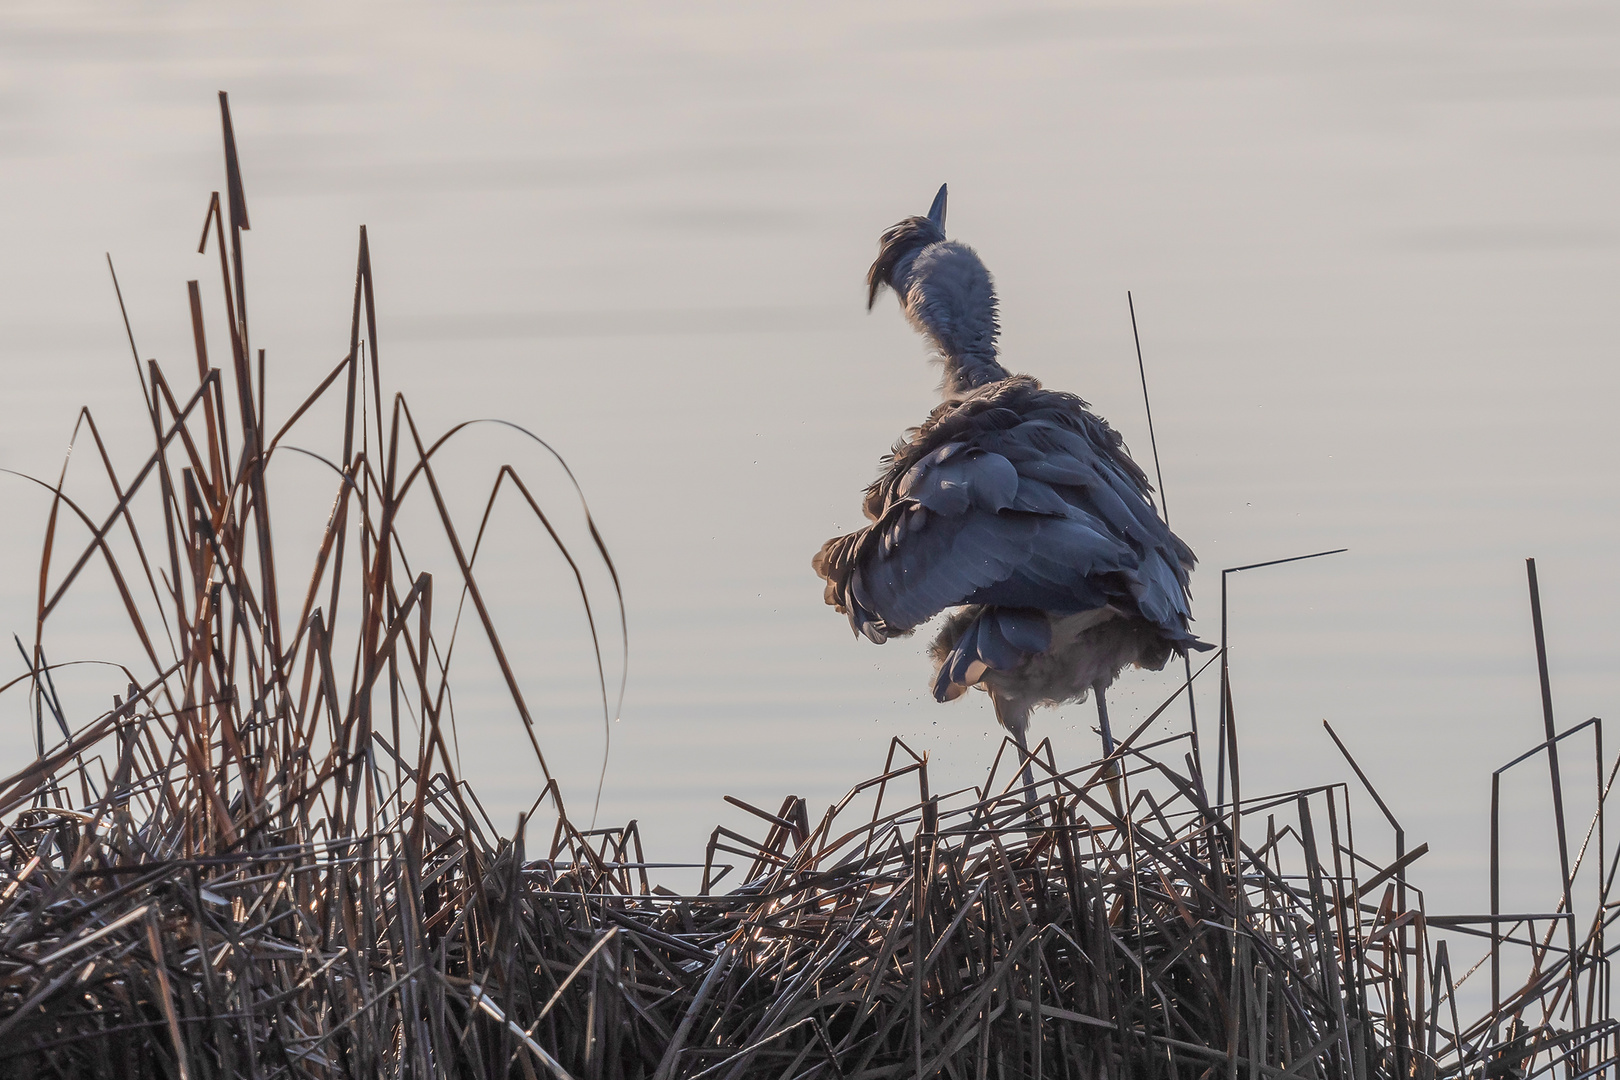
(1374, 254)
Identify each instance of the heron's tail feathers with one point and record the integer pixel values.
(836, 563)
(977, 639)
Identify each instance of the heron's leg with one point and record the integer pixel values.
(1102, 718)
(1112, 770)
(1029, 773)
(1017, 722)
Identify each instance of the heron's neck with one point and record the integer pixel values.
(966, 372)
(948, 295)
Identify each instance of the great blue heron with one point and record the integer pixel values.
(1012, 503)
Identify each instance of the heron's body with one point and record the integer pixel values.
(1012, 503)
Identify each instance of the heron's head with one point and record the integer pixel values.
(901, 242)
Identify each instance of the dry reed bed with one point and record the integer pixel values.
(245, 869)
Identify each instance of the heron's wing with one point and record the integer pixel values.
(965, 525)
(1083, 461)
(1022, 513)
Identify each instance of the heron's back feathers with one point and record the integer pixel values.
(1013, 497)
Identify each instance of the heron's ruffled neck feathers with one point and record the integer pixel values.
(948, 295)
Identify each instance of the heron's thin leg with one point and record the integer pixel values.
(1112, 771)
(1029, 773)
(1102, 718)
(1016, 721)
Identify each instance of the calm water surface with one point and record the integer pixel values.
(1374, 255)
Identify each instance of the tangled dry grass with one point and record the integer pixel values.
(244, 868)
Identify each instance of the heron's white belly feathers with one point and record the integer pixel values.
(1087, 649)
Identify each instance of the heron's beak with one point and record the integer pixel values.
(936, 213)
